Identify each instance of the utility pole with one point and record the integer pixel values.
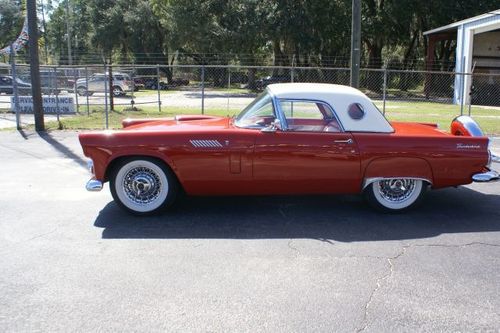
(68, 34)
(355, 42)
(111, 90)
(34, 66)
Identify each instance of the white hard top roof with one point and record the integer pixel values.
(289, 89)
(339, 98)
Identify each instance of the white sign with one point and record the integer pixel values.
(51, 105)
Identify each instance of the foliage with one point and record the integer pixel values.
(249, 32)
(11, 21)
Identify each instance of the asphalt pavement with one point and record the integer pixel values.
(72, 261)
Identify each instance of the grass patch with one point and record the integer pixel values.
(442, 114)
(96, 119)
(232, 90)
(148, 93)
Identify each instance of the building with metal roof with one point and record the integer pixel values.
(477, 51)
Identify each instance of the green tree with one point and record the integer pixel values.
(80, 28)
(11, 21)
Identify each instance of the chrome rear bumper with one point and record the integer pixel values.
(483, 177)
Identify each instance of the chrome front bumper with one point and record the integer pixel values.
(93, 185)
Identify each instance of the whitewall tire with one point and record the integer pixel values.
(395, 194)
(143, 186)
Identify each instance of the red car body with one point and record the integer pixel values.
(214, 156)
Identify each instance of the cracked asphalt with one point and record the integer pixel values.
(72, 261)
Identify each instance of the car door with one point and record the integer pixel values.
(96, 83)
(311, 154)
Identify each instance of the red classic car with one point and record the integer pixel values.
(294, 138)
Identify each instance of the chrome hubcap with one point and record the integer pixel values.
(396, 190)
(142, 185)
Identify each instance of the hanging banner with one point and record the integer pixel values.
(51, 104)
(20, 42)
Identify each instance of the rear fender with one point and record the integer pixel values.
(397, 167)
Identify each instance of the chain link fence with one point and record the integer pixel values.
(138, 90)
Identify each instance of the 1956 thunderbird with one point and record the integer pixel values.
(294, 138)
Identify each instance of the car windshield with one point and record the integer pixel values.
(121, 77)
(258, 114)
(18, 80)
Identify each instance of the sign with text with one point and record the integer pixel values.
(51, 104)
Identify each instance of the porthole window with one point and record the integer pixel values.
(356, 111)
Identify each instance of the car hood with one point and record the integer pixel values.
(178, 124)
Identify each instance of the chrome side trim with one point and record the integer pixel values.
(368, 181)
(94, 185)
(484, 177)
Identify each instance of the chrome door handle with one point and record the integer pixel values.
(348, 141)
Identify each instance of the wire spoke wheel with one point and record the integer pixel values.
(395, 194)
(396, 190)
(143, 186)
(117, 91)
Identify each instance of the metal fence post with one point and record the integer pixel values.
(462, 92)
(203, 89)
(76, 93)
(385, 90)
(57, 96)
(158, 86)
(106, 96)
(470, 93)
(14, 87)
(87, 89)
(228, 87)
(132, 102)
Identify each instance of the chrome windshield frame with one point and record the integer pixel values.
(277, 110)
(277, 113)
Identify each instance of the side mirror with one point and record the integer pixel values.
(269, 129)
(273, 127)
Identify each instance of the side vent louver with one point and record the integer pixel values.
(206, 143)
